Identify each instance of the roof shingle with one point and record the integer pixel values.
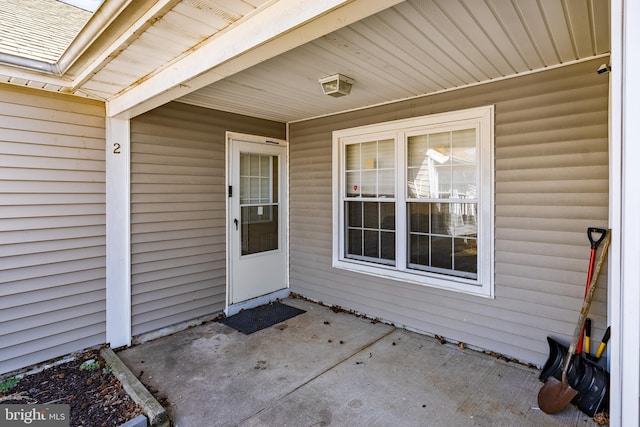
(39, 29)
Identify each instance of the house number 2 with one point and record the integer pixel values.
(116, 148)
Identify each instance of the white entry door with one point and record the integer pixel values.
(257, 217)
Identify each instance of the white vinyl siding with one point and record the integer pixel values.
(551, 183)
(52, 226)
(178, 217)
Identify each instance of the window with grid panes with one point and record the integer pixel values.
(415, 200)
(370, 201)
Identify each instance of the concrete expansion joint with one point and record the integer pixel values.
(344, 359)
(329, 368)
(153, 411)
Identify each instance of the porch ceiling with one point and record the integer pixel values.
(413, 48)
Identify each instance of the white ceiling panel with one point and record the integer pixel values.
(537, 29)
(498, 36)
(415, 48)
(600, 16)
(198, 20)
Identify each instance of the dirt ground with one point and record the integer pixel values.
(95, 395)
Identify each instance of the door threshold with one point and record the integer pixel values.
(232, 309)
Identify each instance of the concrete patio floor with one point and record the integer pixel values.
(324, 368)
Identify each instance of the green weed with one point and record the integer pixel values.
(8, 384)
(89, 365)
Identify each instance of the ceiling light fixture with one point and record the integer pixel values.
(336, 85)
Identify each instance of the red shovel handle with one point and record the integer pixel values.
(592, 259)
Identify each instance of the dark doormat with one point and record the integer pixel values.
(255, 319)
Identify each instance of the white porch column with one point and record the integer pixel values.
(118, 232)
(624, 215)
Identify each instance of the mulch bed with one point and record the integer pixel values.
(95, 395)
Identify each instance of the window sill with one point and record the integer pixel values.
(437, 281)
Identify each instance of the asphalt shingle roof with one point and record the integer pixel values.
(39, 29)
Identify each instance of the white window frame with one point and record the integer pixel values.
(483, 118)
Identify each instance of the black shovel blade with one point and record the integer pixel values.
(593, 394)
(553, 365)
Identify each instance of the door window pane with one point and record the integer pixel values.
(254, 165)
(265, 167)
(259, 232)
(258, 203)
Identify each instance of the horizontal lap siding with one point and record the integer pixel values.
(178, 211)
(52, 226)
(551, 183)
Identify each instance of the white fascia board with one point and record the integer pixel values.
(30, 69)
(267, 32)
(128, 36)
(100, 21)
(27, 63)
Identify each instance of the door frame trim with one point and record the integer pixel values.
(231, 309)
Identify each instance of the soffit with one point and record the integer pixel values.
(414, 48)
(169, 35)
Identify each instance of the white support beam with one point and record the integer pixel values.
(118, 187)
(624, 291)
(614, 296)
(267, 32)
(629, 337)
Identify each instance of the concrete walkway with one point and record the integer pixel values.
(335, 369)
